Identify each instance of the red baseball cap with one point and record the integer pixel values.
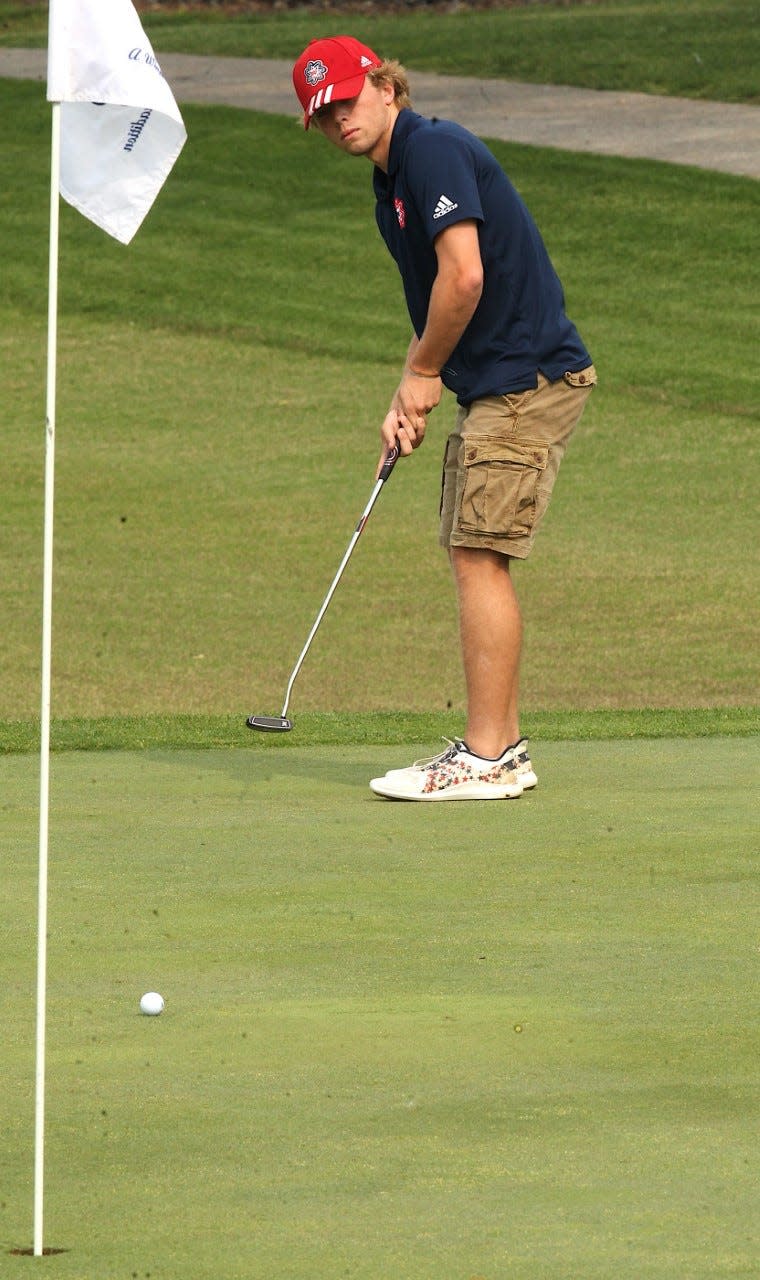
(329, 71)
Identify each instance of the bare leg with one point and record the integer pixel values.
(490, 625)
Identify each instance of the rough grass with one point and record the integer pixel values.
(702, 49)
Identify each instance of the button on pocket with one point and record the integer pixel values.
(584, 378)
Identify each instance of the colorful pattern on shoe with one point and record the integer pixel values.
(522, 765)
(455, 774)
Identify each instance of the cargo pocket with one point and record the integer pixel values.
(500, 483)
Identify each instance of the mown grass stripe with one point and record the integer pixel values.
(182, 732)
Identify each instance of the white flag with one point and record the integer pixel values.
(121, 130)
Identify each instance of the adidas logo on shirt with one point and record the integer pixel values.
(444, 206)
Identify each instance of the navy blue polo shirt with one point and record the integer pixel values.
(440, 174)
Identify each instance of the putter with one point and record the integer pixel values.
(281, 723)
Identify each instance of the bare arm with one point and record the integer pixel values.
(454, 297)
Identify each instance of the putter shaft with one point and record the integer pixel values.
(275, 724)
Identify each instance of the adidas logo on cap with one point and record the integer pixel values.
(444, 206)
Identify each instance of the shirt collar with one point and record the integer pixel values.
(407, 122)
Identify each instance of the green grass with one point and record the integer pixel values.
(217, 438)
(414, 1041)
(389, 728)
(699, 49)
(428, 1042)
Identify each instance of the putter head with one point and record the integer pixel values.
(270, 724)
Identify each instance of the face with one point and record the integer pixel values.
(361, 126)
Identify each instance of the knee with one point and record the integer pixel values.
(469, 563)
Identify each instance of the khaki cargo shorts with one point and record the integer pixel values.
(501, 462)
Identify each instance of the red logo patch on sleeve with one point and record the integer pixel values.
(400, 213)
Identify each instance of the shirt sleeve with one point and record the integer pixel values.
(441, 175)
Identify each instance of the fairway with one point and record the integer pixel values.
(477, 1040)
(217, 442)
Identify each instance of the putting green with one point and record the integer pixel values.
(428, 1041)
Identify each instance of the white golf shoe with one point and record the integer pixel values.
(455, 774)
(522, 765)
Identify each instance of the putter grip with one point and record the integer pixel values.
(390, 462)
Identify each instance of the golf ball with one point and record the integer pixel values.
(152, 1004)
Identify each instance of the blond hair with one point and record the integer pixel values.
(391, 72)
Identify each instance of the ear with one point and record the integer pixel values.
(388, 92)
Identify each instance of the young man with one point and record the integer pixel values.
(487, 311)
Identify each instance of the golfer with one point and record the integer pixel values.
(489, 323)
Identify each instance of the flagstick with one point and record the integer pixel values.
(47, 631)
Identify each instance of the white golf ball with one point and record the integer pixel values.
(152, 1004)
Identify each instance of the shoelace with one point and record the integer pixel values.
(450, 751)
(459, 745)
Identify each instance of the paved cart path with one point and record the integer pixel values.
(710, 135)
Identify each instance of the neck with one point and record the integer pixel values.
(381, 150)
